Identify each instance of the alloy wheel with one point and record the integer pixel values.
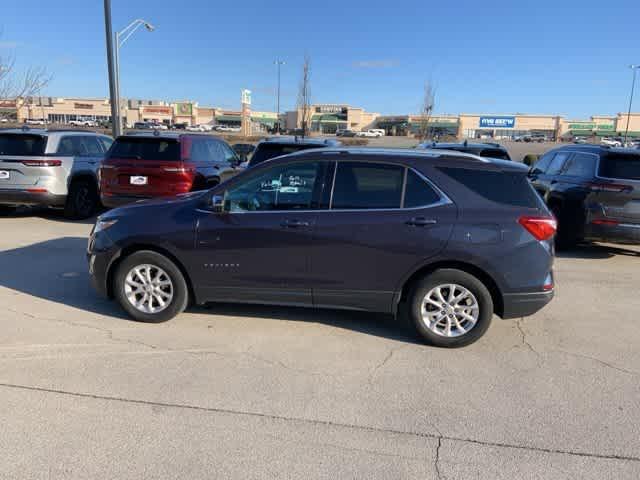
(450, 310)
(148, 288)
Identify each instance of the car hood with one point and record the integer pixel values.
(139, 208)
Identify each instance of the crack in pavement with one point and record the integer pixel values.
(384, 361)
(316, 422)
(601, 362)
(107, 331)
(523, 334)
(436, 461)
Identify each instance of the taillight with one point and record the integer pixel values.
(184, 168)
(542, 228)
(605, 221)
(42, 163)
(608, 187)
(548, 283)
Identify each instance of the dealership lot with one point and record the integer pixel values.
(259, 391)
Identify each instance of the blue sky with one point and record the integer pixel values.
(568, 57)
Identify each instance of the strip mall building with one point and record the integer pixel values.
(324, 118)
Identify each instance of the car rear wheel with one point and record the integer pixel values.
(450, 308)
(150, 287)
(82, 200)
(565, 237)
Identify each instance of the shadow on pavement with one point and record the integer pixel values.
(52, 214)
(56, 270)
(598, 252)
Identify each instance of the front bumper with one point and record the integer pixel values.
(24, 197)
(101, 254)
(518, 305)
(626, 233)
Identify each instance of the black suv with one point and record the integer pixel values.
(276, 146)
(488, 150)
(594, 192)
(446, 239)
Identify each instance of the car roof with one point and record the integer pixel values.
(429, 155)
(49, 131)
(289, 140)
(166, 135)
(462, 145)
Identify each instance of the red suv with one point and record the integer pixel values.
(146, 165)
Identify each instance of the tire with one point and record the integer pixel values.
(82, 200)
(464, 284)
(154, 261)
(565, 238)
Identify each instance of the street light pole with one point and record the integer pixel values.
(633, 84)
(278, 63)
(113, 88)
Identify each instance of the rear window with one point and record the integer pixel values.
(510, 188)
(623, 166)
(21, 145)
(159, 149)
(266, 151)
(495, 153)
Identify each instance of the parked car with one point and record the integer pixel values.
(611, 142)
(489, 150)
(35, 121)
(195, 128)
(146, 165)
(82, 123)
(593, 191)
(383, 231)
(158, 126)
(368, 134)
(142, 126)
(227, 128)
(179, 126)
(580, 140)
(345, 133)
(54, 168)
(283, 145)
(536, 138)
(380, 131)
(206, 127)
(243, 150)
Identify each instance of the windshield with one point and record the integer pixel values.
(20, 144)
(158, 149)
(266, 151)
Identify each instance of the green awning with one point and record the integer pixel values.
(582, 132)
(264, 120)
(328, 118)
(438, 124)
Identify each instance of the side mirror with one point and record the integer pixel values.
(217, 203)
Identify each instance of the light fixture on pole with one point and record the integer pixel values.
(633, 84)
(121, 37)
(279, 63)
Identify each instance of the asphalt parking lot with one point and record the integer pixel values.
(245, 392)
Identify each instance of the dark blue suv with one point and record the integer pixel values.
(445, 238)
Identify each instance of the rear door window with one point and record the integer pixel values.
(93, 147)
(581, 165)
(266, 151)
(72, 146)
(418, 193)
(158, 149)
(557, 164)
(542, 165)
(495, 153)
(620, 165)
(19, 145)
(367, 185)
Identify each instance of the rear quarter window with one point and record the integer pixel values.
(622, 166)
(158, 149)
(20, 145)
(510, 188)
(495, 153)
(266, 151)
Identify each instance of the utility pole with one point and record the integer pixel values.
(113, 88)
(278, 63)
(633, 84)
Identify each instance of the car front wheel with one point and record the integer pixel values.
(450, 308)
(150, 287)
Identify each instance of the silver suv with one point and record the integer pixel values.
(54, 168)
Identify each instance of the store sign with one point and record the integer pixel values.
(83, 106)
(582, 126)
(246, 97)
(605, 126)
(497, 122)
(331, 109)
(157, 110)
(184, 109)
(7, 104)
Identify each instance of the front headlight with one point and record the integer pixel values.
(104, 224)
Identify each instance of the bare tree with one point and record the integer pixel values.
(304, 95)
(426, 109)
(20, 86)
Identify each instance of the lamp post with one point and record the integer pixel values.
(279, 63)
(121, 37)
(633, 84)
(113, 88)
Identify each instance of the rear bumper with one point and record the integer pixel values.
(23, 197)
(626, 233)
(518, 305)
(113, 201)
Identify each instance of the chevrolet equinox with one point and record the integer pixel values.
(444, 238)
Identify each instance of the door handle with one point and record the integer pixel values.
(421, 222)
(294, 224)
